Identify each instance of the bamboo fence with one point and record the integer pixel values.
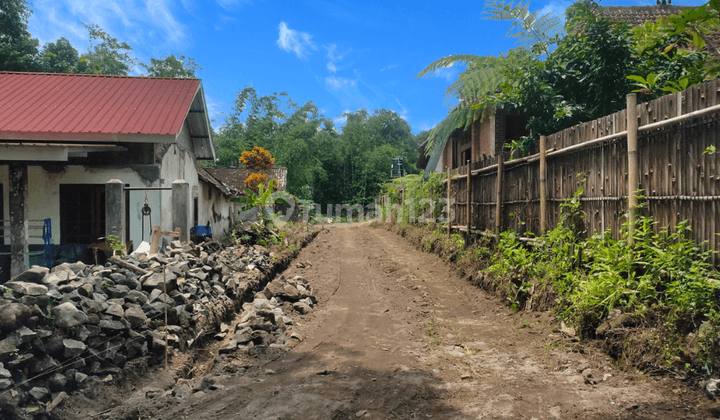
(663, 155)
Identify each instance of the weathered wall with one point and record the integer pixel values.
(215, 208)
(178, 163)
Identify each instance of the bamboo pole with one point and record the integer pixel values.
(468, 200)
(449, 185)
(514, 162)
(543, 184)
(584, 145)
(499, 195)
(632, 144)
(166, 314)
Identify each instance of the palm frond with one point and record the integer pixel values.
(448, 61)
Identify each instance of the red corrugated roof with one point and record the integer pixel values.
(73, 106)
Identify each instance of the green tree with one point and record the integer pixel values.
(170, 66)
(18, 49)
(584, 77)
(289, 131)
(676, 50)
(483, 76)
(367, 145)
(324, 165)
(106, 55)
(59, 57)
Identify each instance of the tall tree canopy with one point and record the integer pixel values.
(18, 49)
(59, 57)
(106, 55)
(171, 66)
(323, 164)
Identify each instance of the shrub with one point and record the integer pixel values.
(254, 180)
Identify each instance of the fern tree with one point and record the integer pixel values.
(484, 75)
(529, 28)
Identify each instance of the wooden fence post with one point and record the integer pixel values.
(499, 195)
(543, 184)
(449, 185)
(469, 199)
(632, 135)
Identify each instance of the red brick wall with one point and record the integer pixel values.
(485, 137)
(500, 136)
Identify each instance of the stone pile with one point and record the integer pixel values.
(265, 323)
(64, 328)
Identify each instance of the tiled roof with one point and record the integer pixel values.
(637, 15)
(204, 175)
(235, 177)
(92, 107)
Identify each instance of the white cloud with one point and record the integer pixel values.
(341, 119)
(333, 56)
(337, 83)
(424, 127)
(448, 73)
(229, 4)
(160, 12)
(390, 67)
(403, 112)
(556, 8)
(188, 5)
(295, 41)
(132, 21)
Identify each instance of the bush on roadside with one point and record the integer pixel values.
(654, 300)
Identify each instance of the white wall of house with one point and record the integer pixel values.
(44, 194)
(177, 163)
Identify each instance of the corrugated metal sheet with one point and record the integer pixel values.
(91, 107)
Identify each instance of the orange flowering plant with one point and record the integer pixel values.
(257, 159)
(254, 180)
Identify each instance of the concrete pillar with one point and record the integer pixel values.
(181, 208)
(19, 251)
(115, 209)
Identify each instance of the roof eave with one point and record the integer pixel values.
(206, 150)
(88, 137)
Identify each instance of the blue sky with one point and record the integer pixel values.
(342, 55)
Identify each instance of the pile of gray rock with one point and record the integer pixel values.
(64, 328)
(265, 325)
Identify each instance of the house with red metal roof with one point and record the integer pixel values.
(64, 136)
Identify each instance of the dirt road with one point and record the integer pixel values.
(396, 335)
